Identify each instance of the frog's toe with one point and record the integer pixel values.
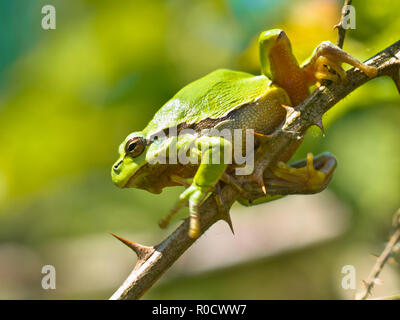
(196, 195)
(194, 228)
(314, 178)
(320, 76)
(304, 177)
(329, 69)
(196, 198)
(330, 57)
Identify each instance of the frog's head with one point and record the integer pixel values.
(132, 156)
(135, 167)
(270, 42)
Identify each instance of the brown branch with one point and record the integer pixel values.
(150, 267)
(381, 261)
(339, 26)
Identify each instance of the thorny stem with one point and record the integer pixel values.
(381, 261)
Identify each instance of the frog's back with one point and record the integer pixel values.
(212, 96)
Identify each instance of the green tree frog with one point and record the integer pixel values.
(230, 100)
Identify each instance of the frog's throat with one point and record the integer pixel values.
(154, 178)
(148, 177)
(141, 180)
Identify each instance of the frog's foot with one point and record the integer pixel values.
(195, 195)
(307, 176)
(325, 64)
(324, 67)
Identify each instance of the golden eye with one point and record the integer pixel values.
(135, 146)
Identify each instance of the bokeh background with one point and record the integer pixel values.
(69, 96)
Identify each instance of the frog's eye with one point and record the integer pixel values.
(135, 146)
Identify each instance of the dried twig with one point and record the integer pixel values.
(393, 297)
(339, 26)
(373, 277)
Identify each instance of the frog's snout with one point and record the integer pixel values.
(117, 166)
(282, 34)
(116, 176)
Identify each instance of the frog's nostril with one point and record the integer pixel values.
(282, 34)
(117, 165)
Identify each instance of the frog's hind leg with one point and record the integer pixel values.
(327, 57)
(307, 176)
(324, 73)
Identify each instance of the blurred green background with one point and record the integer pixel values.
(69, 96)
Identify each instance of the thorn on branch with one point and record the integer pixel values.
(259, 179)
(396, 78)
(143, 252)
(291, 115)
(289, 110)
(227, 218)
(320, 125)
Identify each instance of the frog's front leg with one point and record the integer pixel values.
(328, 55)
(211, 151)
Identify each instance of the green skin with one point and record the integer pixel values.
(221, 99)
